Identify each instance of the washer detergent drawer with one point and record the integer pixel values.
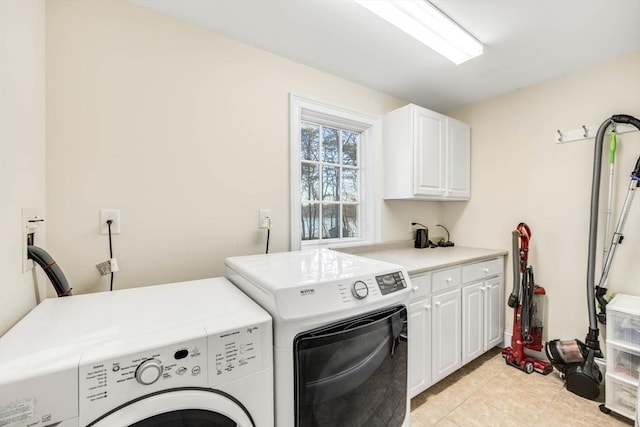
(353, 372)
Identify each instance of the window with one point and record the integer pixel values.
(333, 175)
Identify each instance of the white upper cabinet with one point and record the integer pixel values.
(426, 155)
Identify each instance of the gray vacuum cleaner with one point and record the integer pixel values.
(574, 359)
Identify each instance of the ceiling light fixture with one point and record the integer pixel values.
(426, 23)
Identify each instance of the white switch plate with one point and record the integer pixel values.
(110, 214)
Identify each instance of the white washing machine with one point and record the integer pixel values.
(340, 350)
(184, 354)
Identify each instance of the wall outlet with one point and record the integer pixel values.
(110, 214)
(264, 219)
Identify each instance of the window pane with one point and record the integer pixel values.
(330, 183)
(309, 142)
(330, 148)
(309, 182)
(350, 148)
(330, 221)
(350, 221)
(310, 221)
(349, 185)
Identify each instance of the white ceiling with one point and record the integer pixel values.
(526, 41)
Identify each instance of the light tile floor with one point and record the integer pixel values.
(487, 392)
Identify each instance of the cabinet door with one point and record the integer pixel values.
(429, 156)
(494, 312)
(419, 330)
(458, 182)
(446, 334)
(473, 302)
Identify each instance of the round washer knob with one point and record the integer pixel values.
(359, 289)
(149, 371)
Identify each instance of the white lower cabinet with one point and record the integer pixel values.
(494, 312)
(445, 341)
(419, 345)
(455, 315)
(472, 325)
(482, 317)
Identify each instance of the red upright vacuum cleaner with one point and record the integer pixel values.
(526, 299)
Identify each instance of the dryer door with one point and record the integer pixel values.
(189, 407)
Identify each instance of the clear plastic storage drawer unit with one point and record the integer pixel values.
(623, 354)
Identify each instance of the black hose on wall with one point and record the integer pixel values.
(53, 271)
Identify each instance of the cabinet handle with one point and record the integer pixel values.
(485, 270)
(438, 304)
(449, 279)
(481, 288)
(415, 289)
(428, 307)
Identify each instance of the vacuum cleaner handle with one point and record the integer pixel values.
(515, 293)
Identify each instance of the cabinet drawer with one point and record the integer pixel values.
(621, 396)
(623, 363)
(421, 285)
(623, 321)
(481, 270)
(445, 279)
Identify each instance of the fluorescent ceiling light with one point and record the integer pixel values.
(426, 23)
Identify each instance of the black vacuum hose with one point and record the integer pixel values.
(514, 298)
(54, 272)
(592, 336)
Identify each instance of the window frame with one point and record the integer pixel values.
(303, 109)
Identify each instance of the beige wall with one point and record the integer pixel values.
(22, 148)
(184, 131)
(520, 174)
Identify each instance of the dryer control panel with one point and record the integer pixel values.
(333, 296)
(195, 359)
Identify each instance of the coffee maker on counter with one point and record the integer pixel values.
(422, 236)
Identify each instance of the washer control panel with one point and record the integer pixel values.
(201, 361)
(105, 382)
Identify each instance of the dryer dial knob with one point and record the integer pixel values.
(149, 371)
(359, 289)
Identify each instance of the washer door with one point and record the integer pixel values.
(179, 407)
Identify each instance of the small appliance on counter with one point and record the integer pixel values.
(422, 238)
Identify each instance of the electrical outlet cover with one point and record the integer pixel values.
(110, 214)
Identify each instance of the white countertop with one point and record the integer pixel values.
(421, 260)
